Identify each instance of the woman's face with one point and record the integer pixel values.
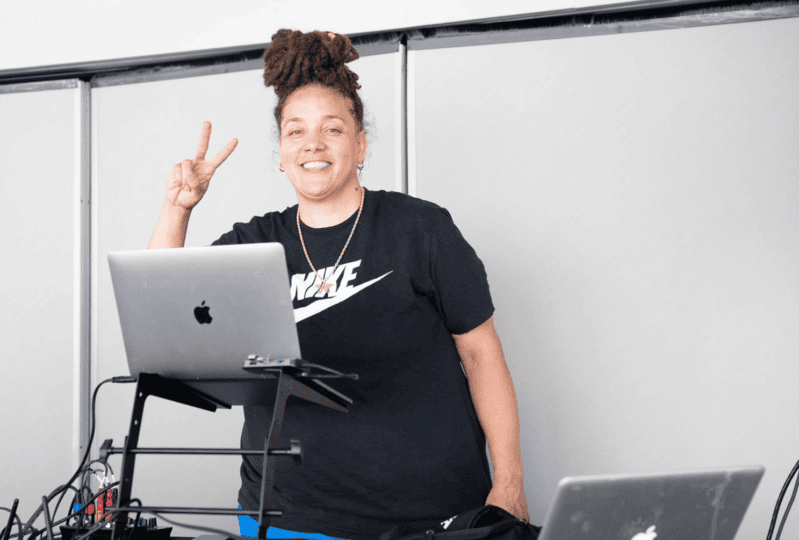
(320, 146)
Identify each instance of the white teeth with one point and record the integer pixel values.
(315, 165)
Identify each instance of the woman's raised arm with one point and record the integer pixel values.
(188, 181)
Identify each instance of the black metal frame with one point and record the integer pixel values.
(658, 13)
(177, 391)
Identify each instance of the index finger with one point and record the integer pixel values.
(205, 136)
(224, 153)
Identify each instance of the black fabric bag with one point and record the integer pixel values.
(486, 522)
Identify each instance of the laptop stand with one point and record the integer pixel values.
(306, 387)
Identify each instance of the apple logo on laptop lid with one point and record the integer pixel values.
(650, 534)
(202, 315)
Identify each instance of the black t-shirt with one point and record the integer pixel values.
(411, 447)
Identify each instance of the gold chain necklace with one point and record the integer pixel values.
(324, 286)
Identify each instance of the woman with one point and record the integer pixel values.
(383, 285)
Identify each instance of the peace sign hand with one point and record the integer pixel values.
(188, 181)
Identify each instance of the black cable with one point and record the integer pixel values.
(97, 526)
(72, 504)
(101, 524)
(55, 511)
(86, 476)
(138, 514)
(48, 524)
(788, 508)
(86, 492)
(93, 529)
(104, 464)
(16, 516)
(121, 379)
(93, 498)
(80, 467)
(779, 501)
(199, 528)
(19, 533)
(90, 501)
(10, 523)
(80, 534)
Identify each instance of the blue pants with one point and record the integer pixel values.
(249, 529)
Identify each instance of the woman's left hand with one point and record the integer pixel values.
(510, 497)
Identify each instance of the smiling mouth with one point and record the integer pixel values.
(315, 165)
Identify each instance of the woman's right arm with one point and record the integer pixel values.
(188, 181)
(170, 231)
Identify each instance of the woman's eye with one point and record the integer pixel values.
(330, 129)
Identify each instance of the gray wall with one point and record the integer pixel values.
(37, 418)
(632, 197)
(635, 199)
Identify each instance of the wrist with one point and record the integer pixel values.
(175, 210)
(508, 477)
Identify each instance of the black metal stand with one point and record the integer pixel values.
(308, 388)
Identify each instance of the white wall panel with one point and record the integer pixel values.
(140, 132)
(634, 199)
(37, 353)
(87, 31)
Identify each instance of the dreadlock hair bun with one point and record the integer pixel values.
(295, 59)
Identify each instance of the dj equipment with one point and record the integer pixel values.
(182, 352)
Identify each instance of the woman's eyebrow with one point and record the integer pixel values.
(329, 116)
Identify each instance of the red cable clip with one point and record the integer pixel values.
(109, 501)
(99, 507)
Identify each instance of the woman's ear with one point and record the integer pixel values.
(362, 145)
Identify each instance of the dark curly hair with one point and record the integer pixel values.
(294, 60)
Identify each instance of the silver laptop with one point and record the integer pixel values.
(698, 505)
(197, 314)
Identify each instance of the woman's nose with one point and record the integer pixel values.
(314, 141)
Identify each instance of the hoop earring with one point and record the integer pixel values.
(281, 169)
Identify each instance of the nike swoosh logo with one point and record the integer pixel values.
(300, 314)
